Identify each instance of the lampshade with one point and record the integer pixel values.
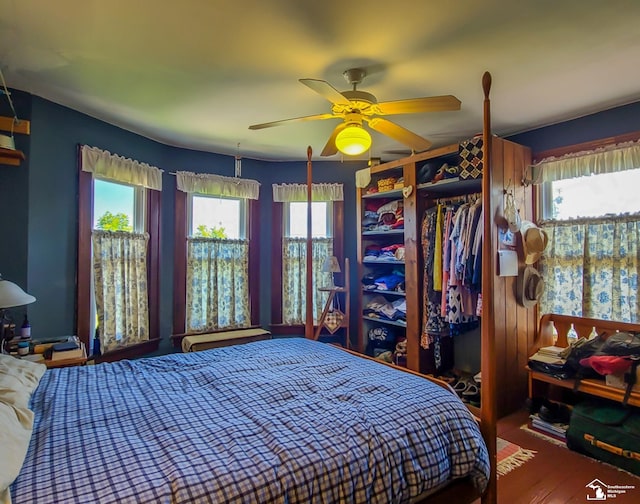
(353, 140)
(331, 265)
(11, 295)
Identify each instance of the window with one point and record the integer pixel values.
(118, 207)
(217, 245)
(118, 253)
(593, 196)
(289, 287)
(296, 219)
(215, 217)
(591, 214)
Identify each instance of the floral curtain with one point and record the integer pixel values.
(294, 278)
(217, 284)
(120, 282)
(591, 268)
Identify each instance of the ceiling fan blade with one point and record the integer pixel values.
(330, 147)
(415, 105)
(326, 90)
(293, 119)
(397, 132)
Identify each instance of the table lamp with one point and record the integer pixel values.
(332, 266)
(10, 296)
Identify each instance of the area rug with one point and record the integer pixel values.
(510, 456)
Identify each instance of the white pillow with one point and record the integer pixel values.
(18, 379)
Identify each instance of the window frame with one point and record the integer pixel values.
(278, 233)
(286, 210)
(139, 203)
(152, 205)
(181, 230)
(243, 212)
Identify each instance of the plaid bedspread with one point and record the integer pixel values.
(278, 421)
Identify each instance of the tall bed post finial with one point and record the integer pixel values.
(308, 326)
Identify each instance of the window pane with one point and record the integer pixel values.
(595, 196)
(298, 220)
(113, 206)
(216, 217)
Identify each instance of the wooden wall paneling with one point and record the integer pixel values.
(411, 243)
(511, 178)
(500, 332)
(526, 319)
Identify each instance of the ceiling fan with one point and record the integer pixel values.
(356, 107)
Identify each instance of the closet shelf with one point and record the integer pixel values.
(389, 292)
(384, 194)
(365, 261)
(398, 323)
(383, 233)
(451, 187)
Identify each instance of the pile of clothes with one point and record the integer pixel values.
(393, 281)
(383, 215)
(379, 307)
(390, 253)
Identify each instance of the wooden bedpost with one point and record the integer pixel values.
(488, 404)
(308, 326)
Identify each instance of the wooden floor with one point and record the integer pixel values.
(556, 474)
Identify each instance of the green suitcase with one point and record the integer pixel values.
(607, 431)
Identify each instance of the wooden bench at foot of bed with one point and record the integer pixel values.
(195, 342)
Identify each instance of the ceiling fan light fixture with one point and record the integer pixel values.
(353, 140)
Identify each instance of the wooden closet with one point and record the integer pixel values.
(513, 325)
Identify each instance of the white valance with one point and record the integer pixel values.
(614, 158)
(363, 178)
(298, 192)
(120, 169)
(217, 185)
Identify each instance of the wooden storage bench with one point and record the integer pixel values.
(195, 342)
(540, 383)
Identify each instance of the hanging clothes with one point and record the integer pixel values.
(432, 322)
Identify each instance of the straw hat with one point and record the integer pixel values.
(534, 241)
(530, 287)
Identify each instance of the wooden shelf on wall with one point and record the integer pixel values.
(11, 157)
(9, 124)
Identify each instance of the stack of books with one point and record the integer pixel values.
(555, 430)
(549, 355)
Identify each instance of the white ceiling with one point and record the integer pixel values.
(197, 73)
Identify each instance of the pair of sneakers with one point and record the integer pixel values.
(468, 390)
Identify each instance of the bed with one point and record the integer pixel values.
(283, 420)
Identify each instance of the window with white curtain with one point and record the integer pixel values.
(119, 248)
(217, 257)
(294, 252)
(591, 213)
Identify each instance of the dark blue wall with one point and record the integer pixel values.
(612, 122)
(41, 196)
(14, 200)
(39, 199)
